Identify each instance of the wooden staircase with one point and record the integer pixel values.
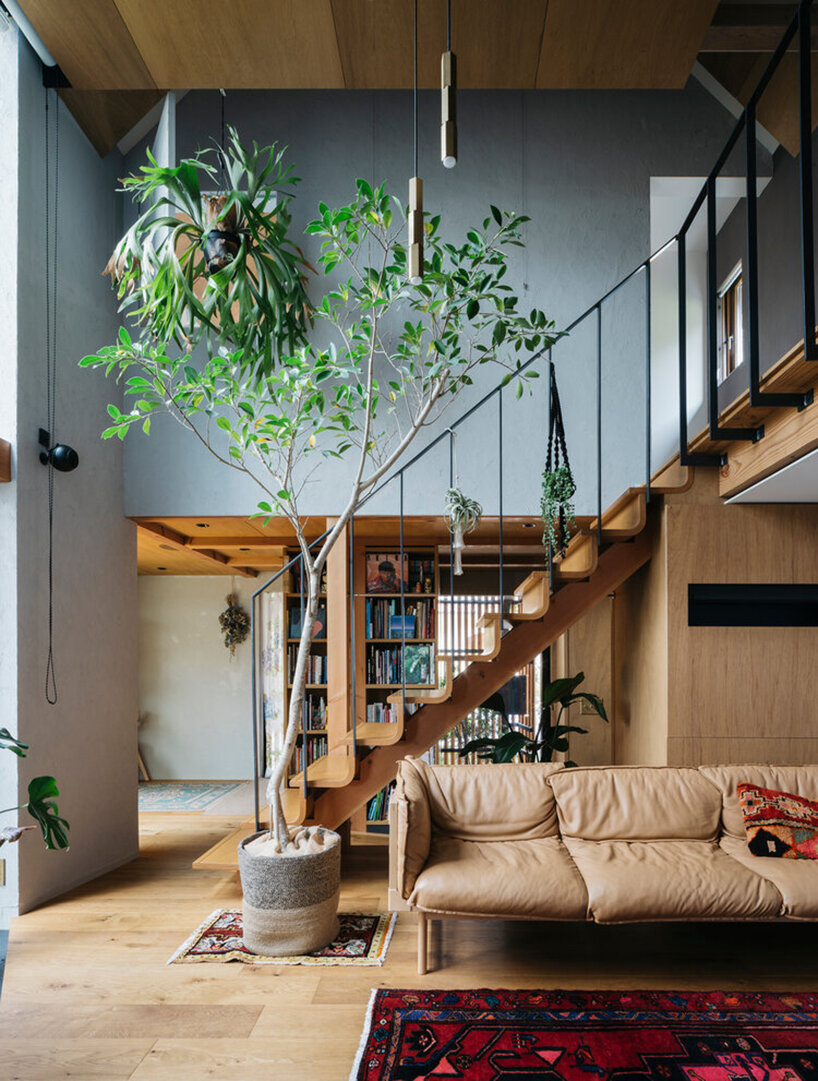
(340, 783)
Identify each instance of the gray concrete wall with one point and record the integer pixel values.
(88, 740)
(578, 163)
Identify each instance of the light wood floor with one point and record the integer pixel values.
(88, 996)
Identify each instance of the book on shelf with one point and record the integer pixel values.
(317, 747)
(378, 807)
(384, 571)
(385, 664)
(381, 713)
(314, 712)
(318, 631)
(316, 665)
(384, 618)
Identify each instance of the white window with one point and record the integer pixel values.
(731, 323)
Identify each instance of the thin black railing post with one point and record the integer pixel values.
(500, 468)
(351, 635)
(647, 382)
(758, 397)
(599, 425)
(451, 541)
(402, 606)
(304, 737)
(685, 457)
(548, 524)
(805, 176)
(716, 432)
(254, 603)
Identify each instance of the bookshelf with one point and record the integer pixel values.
(317, 689)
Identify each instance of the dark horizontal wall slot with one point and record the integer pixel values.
(744, 605)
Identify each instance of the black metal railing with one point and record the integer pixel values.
(746, 124)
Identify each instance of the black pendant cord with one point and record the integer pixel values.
(51, 252)
(415, 101)
(222, 138)
(449, 26)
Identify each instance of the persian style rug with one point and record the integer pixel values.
(361, 940)
(183, 795)
(588, 1036)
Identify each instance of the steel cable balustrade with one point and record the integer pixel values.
(746, 124)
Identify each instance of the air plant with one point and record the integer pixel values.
(464, 517)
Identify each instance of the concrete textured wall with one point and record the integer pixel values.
(578, 163)
(88, 740)
(194, 698)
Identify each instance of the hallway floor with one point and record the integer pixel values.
(88, 994)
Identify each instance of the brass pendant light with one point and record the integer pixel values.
(448, 98)
(414, 252)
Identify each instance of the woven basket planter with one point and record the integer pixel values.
(290, 903)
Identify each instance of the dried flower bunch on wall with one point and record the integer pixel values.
(234, 622)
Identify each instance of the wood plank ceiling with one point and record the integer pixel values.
(142, 47)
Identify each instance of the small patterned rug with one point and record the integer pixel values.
(485, 1035)
(361, 940)
(182, 795)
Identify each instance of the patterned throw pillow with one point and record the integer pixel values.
(779, 823)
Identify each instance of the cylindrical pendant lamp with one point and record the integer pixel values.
(414, 250)
(448, 98)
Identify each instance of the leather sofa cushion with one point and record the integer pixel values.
(491, 802)
(795, 880)
(636, 803)
(534, 879)
(801, 780)
(669, 880)
(412, 824)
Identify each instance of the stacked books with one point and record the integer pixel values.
(378, 807)
(316, 665)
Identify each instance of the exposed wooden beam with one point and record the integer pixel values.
(5, 461)
(179, 542)
(256, 541)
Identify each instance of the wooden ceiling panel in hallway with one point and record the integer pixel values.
(367, 44)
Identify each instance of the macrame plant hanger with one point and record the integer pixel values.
(557, 458)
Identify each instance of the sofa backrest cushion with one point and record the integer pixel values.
(636, 803)
(491, 802)
(800, 780)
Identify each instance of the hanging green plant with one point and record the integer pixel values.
(209, 258)
(464, 517)
(557, 506)
(235, 623)
(558, 485)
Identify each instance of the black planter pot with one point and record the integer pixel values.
(220, 249)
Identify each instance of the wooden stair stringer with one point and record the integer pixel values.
(334, 806)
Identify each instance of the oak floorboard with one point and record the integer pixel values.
(88, 993)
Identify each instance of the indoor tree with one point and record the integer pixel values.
(390, 359)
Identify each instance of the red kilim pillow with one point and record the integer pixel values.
(779, 823)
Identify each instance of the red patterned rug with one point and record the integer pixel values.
(588, 1036)
(361, 940)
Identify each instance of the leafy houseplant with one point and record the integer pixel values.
(464, 516)
(557, 506)
(217, 267)
(40, 804)
(397, 356)
(552, 736)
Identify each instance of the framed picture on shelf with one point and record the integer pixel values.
(384, 572)
(319, 630)
(401, 626)
(418, 664)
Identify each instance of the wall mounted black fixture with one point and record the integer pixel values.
(64, 458)
(741, 604)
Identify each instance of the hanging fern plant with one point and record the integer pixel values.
(209, 258)
(557, 507)
(464, 517)
(235, 623)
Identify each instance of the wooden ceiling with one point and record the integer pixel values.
(246, 547)
(123, 48)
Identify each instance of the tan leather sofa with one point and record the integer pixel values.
(613, 844)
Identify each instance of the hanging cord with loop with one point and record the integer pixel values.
(222, 137)
(51, 251)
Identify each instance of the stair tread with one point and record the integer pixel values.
(330, 771)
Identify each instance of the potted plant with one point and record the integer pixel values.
(40, 804)
(393, 357)
(552, 736)
(464, 516)
(214, 265)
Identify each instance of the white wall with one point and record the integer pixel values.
(579, 163)
(195, 699)
(88, 740)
